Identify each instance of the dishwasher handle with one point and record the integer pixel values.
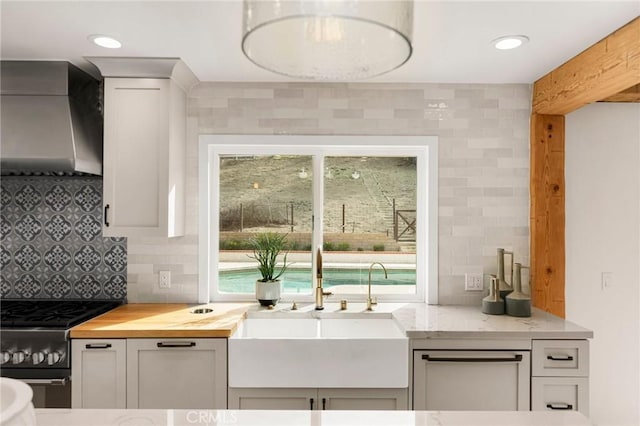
(427, 357)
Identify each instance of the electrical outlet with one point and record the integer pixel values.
(473, 282)
(607, 280)
(164, 279)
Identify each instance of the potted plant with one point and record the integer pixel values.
(267, 246)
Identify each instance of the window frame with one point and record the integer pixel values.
(424, 148)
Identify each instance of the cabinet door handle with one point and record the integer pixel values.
(560, 406)
(324, 403)
(98, 346)
(560, 357)
(311, 403)
(515, 358)
(106, 215)
(176, 344)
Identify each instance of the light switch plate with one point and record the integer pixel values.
(607, 280)
(473, 282)
(164, 279)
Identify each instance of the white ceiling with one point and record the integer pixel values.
(451, 38)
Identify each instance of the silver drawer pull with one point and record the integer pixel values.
(176, 344)
(55, 382)
(98, 346)
(516, 358)
(559, 406)
(560, 357)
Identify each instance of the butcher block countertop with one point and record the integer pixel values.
(162, 320)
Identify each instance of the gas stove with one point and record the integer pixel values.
(50, 314)
(34, 341)
(35, 334)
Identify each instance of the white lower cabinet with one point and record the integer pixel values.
(149, 373)
(272, 399)
(317, 399)
(471, 380)
(560, 370)
(362, 399)
(98, 373)
(177, 373)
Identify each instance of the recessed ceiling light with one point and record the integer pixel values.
(509, 42)
(105, 41)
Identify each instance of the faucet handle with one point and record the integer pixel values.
(327, 293)
(374, 300)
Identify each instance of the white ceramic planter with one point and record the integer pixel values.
(268, 293)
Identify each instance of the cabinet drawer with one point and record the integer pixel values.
(560, 393)
(560, 358)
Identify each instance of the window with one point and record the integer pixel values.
(363, 199)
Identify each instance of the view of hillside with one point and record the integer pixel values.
(270, 187)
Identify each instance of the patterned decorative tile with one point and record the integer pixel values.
(28, 227)
(28, 286)
(57, 228)
(5, 287)
(57, 287)
(88, 287)
(87, 258)
(115, 286)
(27, 198)
(88, 227)
(27, 257)
(57, 258)
(5, 196)
(5, 227)
(88, 198)
(52, 244)
(116, 258)
(58, 198)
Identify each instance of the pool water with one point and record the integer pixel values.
(300, 280)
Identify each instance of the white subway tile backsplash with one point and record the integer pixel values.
(483, 135)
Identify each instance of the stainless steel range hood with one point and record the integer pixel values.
(51, 120)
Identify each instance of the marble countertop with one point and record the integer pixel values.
(83, 417)
(422, 321)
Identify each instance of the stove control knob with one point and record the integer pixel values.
(37, 357)
(53, 358)
(18, 357)
(5, 358)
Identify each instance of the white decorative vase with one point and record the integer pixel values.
(268, 293)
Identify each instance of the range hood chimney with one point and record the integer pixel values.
(50, 119)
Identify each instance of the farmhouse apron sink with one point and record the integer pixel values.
(318, 353)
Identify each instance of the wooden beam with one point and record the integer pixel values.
(632, 94)
(547, 213)
(604, 69)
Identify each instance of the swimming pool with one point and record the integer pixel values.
(299, 280)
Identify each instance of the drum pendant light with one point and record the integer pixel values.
(338, 40)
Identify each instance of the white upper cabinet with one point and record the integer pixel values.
(144, 145)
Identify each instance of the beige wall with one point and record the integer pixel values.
(483, 135)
